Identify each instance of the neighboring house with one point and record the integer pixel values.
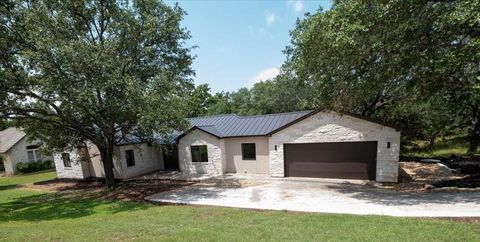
(15, 147)
(318, 143)
(130, 159)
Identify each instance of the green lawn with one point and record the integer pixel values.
(39, 216)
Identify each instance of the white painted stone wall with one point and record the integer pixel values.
(76, 171)
(216, 164)
(335, 127)
(147, 159)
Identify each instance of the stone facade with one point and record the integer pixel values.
(216, 164)
(147, 159)
(78, 170)
(335, 127)
(224, 155)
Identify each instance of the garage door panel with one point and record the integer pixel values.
(347, 160)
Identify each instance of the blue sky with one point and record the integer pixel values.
(241, 42)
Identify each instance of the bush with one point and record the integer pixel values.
(2, 166)
(29, 167)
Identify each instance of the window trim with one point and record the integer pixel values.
(132, 156)
(254, 151)
(192, 147)
(69, 160)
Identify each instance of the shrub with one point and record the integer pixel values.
(2, 166)
(29, 167)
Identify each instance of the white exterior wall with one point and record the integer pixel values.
(147, 159)
(18, 153)
(216, 164)
(335, 127)
(76, 171)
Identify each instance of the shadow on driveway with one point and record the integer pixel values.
(397, 198)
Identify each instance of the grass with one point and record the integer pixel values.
(447, 147)
(62, 216)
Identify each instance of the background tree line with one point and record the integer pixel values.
(414, 64)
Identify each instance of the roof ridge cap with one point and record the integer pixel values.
(216, 115)
(271, 114)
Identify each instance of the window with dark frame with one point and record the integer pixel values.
(66, 160)
(248, 151)
(199, 153)
(130, 158)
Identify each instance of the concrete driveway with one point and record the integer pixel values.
(314, 195)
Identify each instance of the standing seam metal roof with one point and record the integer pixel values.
(232, 125)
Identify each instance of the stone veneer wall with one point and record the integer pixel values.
(216, 164)
(79, 169)
(335, 127)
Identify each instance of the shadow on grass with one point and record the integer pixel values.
(8, 187)
(61, 205)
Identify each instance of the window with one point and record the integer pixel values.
(66, 160)
(199, 153)
(130, 158)
(31, 156)
(248, 151)
(34, 155)
(38, 155)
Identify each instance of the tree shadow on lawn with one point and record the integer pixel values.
(384, 196)
(8, 187)
(61, 205)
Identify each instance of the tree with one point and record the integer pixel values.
(200, 100)
(3, 124)
(77, 71)
(369, 56)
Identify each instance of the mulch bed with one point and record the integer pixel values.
(128, 190)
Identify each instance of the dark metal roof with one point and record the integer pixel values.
(232, 125)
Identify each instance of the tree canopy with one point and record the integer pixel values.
(77, 71)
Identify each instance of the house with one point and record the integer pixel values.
(319, 143)
(131, 158)
(15, 147)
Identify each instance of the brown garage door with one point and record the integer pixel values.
(346, 160)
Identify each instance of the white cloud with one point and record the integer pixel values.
(270, 18)
(297, 5)
(266, 74)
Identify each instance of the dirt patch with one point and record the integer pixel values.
(429, 172)
(129, 190)
(419, 176)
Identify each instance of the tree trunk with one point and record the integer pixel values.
(107, 160)
(431, 144)
(474, 139)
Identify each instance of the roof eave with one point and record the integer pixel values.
(340, 112)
